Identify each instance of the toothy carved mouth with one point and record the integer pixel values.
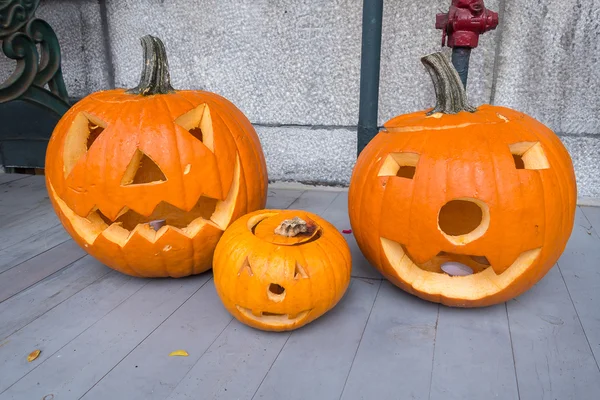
(471, 287)
(272, 318)
(216, 213)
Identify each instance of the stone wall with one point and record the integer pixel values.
(293, 67)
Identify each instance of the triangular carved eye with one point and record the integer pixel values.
(246, 268)
(198, 123)
(300, 272)
(84, 131)
(142, 170)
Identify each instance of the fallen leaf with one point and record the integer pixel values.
(33, 355)
(181, 353)
(347, 231)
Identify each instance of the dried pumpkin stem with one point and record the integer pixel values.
(155, 73)
(292, 227)
(449, 90)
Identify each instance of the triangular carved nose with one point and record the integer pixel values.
(142, 170)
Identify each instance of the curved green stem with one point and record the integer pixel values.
(449, 90)
(155, 74)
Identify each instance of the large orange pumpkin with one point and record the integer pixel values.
(147, 179)
(460, 205)
(279, 270)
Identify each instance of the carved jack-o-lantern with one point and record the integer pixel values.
(463, 206)
(147, 179)
(279, 270)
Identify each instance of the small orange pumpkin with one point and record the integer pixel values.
(460, 205)
(279, 270)
(146, 180)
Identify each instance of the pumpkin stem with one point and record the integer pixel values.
(155, 73)
(292, 227)
(449, 90)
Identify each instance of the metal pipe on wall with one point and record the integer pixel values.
(369, 72)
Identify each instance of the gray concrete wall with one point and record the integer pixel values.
(293, 65)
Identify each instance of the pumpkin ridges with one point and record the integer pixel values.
(550, 197)
(506, 292)
(275, 264)
(259, 160)
(240, 134)
(225, 142)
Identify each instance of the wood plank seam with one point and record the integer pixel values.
(577, 313)
(201, 355)
(271, 366)
(512, 348)
(80, 333)
(15, 180)
(361, 337)
(593, 229)
(437, 320)
(146, 337)
(52, 308)
(40, 281)
(39, 254)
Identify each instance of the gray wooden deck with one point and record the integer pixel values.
(104, 335)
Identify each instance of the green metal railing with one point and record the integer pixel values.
(34, 96)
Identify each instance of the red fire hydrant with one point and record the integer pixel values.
(466, 20)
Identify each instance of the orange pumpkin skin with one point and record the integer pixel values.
(277, 283)
(530, 212)
(208, 181)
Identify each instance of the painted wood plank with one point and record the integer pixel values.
(593, 216)
(41, 266)
(28, 305)
(148, 372)
(6, 178)
(53, 330)
(32, 246)
(315, 363)
(26, 225)
(234, 365)
(279, 199)
(74, 369)
(580, 267)
(552, 356)
(21, 195)
(314, 201)
(473, 343)
(337, 214)
(394, 359)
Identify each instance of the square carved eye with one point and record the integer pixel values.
(529, 155)
(402, 165)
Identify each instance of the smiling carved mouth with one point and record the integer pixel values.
(273, 318)
(428, 278)
(207, 211)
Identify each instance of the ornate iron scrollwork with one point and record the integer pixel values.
(20, 33)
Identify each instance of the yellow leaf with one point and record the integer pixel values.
(33, 355)
(182, 353)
